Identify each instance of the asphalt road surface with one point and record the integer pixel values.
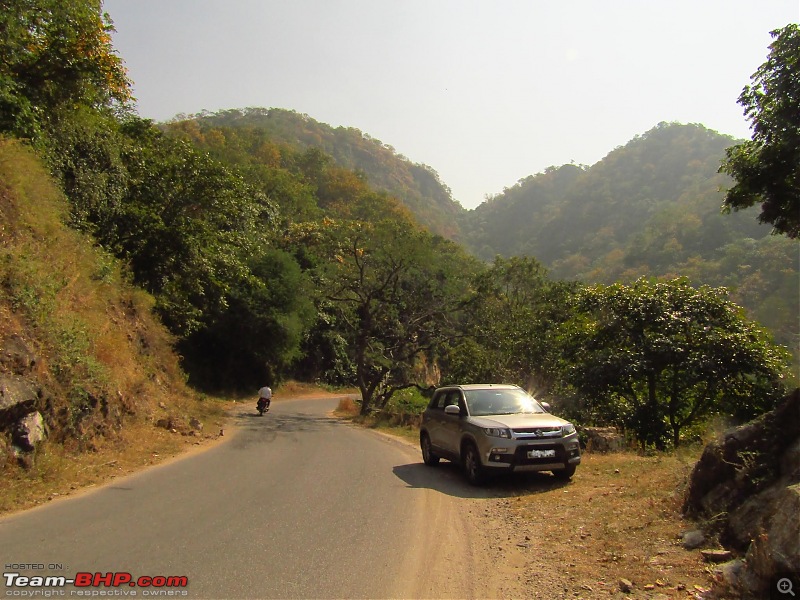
(295, 504)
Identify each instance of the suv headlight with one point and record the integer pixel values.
(497, 432)
(567, 429)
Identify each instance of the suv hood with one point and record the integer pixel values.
(519, 420)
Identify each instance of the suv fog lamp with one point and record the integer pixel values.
(499, 451)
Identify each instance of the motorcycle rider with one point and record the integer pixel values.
(264, 398)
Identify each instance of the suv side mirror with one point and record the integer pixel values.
(545, 405)
(452, 409)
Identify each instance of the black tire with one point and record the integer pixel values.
(565, 473)
(428, 455)
(473, 468)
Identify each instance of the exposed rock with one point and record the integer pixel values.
(603, 439)
(195, 424)
(16, 357)
(174, 424)
(751, 476)
(626, 586)
(747, 460)
(790, 463)
(767, 511)
(693, 539)
(784, 530)
(730, 573)
(716, 556)
(18, 397)
(29, 431)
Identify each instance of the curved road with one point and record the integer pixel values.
(295, 504)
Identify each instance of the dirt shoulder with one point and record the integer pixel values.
(616, 525)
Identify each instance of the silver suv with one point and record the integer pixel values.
(490, 428)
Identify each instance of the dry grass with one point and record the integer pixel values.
(347, 408)
(618, 518)
(392, 424)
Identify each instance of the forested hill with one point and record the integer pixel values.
(417, 186)
(649, 208)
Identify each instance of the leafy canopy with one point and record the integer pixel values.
(659, 356)
(56, 53)
(767, 168)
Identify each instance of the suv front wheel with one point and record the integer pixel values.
(428, 456)
(473, 469)
(566, 473)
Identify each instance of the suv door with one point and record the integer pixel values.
(433, 417)
(451, 425)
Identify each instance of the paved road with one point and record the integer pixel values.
(295, 505)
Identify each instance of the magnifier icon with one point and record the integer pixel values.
(785, 586)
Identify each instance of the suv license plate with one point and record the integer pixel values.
(541, 453)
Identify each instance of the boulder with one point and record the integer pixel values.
(745, 461)
(692, 540)
(751, 477)
(603, 439)
(18, 397)
(29, 432)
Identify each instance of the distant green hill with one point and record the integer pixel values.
(649, 208)
(417, 186)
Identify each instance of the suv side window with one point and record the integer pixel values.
(438, 401)
(445, 398)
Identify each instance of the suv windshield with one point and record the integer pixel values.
(500, 402)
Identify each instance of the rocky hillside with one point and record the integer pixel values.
(80, 354)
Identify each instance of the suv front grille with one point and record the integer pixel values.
(537, 432)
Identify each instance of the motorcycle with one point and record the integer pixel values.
(262, 406)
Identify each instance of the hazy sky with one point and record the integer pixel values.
(484, 91)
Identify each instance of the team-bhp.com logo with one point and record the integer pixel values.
(95, 584)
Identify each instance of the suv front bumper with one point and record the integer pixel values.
(519, 455)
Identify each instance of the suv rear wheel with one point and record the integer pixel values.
(473, 469)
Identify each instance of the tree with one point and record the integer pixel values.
(188, 227)
(394, 289)
(658, 357)
(767, 168)
(54, 54)
(508, 326)
(257, 337)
